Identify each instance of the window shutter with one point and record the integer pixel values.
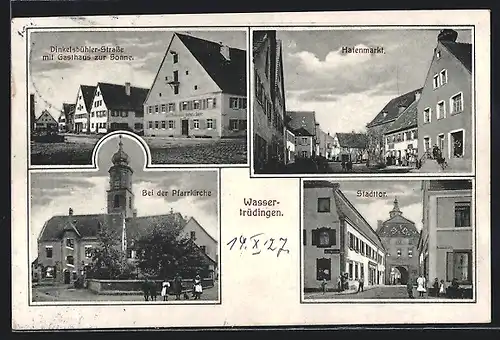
(314, 236)
(192, 124)
(203, 124)
(333, 237)
(214, 123)
(304, 240)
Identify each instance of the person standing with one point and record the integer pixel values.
(323, 286)
(153, 292)
(197, 288)
(177, 286)
(421, 284)
(145, 289)
(442, 289)
(435, 287)
(361, 284)
(409, 288)
(164, 290)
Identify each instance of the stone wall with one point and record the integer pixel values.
(135, 286)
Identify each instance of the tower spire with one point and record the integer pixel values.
(395, 210)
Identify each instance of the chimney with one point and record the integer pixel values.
(417, 95)
(447, 35)
(70, 212)
(225, 51)
(127, 88)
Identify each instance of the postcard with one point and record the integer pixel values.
(245, 170)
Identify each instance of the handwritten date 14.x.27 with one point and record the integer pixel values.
(258, 243)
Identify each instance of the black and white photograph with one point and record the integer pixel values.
(183, 92)
(411, 240)
(363, 100)
(123, 234)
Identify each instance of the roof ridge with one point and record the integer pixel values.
(207, 40)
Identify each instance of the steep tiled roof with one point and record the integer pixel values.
(391, 110)
(88, 95)
(462, 51)
(138, 227)
(407, 120)
(116, 98)
(352, 140)
(84, 225)
(230, 75)
(201, 227)
(346, 209)
(303, 123)
(386, 229)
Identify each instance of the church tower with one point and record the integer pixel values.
(120, 195)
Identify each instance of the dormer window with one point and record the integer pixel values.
(438, 54)
(384, 114)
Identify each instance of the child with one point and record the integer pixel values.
(164, 290)
(409, 289)
(323, 286)
(442, 289)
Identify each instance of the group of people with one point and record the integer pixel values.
(149, 289)
(438, 288)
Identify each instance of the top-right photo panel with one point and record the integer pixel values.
(366, 100)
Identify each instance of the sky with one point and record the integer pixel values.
(53, 193)
(348, 90)
(408, 193)
(56, 82)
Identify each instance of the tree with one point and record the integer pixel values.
(108, 260)
(164, 251)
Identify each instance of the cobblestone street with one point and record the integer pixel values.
(77, 150)
(380, 292)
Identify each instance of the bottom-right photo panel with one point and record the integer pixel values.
(388, 239)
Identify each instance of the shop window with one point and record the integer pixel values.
(459, 266)
(324, 204)
(323, 269)
(462, 215)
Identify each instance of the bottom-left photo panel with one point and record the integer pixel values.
(122, 233)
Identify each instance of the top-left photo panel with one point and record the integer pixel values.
(181, 92)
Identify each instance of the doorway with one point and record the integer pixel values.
(399, 275)
(67, 278)
(185, 127)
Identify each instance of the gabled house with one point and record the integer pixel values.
(66, 119)
(303, 124)
(84, 99)
(445, 107)
(337, 240)
(382, 122)
(46, 122)
(350, 147)
(199, 90)
(401, 146)
(117, 107)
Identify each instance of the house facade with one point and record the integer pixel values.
(303, 123)
(350, 147)
(66, 242)
(382, 122)
(400, 239)
(446, 241)
(269, 102)
(337, 239)
(199, 91)
(401, 146)
(117, 107)
(445, 108)
(83, 106)
(46, 122)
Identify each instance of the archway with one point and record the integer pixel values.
(399, 275)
